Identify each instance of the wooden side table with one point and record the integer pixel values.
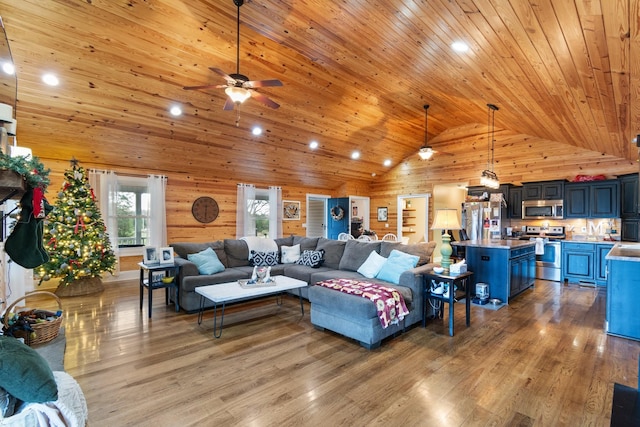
(463, 284)
(168, 270)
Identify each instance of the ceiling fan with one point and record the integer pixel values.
(426, 151)
(239, 88)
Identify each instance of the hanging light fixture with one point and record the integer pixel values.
(425, 151)
(489, 178)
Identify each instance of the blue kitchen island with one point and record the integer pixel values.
(623, 288)
(507, 266)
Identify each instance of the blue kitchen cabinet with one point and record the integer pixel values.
(545, 190)
(576, 200)
(585, 262)
(629, 196)
(630, 231)
(507, 271)
(514, 203)
(596, 199)
(578, 262)
(601, 270)
(622, 295)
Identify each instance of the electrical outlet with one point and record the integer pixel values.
(583, 229)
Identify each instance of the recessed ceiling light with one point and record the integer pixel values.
(257, 130)
(387, 162)
(175, 110)
(459, 46)
(50, 79)
(8, 68)
(355, 155)
(313, 145)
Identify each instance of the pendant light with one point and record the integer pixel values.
(489, 178)
(425, 151)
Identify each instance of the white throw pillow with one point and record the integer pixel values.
(371, 267)
(289, 254)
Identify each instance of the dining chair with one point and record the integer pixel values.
(390, 237)
(345, 236)
(365, 238)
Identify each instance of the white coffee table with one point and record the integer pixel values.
(232, 292)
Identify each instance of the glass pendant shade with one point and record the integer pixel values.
(425, 153)
(237, 94)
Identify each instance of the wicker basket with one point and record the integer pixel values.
(42, 332)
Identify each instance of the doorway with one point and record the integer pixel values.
(413, 218)
(316, 215)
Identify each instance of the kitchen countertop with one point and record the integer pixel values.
(625, 252)
(496, 244)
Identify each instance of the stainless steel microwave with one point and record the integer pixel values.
(542, 209)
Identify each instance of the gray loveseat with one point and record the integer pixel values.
(349, 315)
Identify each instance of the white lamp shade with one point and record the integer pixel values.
(446, 219)
(237, 94)
(6, 113)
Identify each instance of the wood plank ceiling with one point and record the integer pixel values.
(356, 74)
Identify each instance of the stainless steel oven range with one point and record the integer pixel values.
(548, 250)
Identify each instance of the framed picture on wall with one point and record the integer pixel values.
(383, 214)
(290, 210)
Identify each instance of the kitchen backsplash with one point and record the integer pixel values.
(578, 229)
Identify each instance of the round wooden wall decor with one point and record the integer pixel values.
(205, 209)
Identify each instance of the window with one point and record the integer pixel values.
(133, 206)
(259, 212)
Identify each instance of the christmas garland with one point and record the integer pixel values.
(32, 170)
(337, 213)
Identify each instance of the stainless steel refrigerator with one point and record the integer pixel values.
(481, 220)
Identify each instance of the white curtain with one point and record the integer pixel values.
(105, 187)
(157, 185)
(245, 192)
(275, 212)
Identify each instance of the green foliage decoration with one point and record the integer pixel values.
(32, 169)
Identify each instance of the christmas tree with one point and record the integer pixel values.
(75, 235)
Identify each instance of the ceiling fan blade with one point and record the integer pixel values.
(262, 83)
(203, 87)
(266, 101)
(228, 104)
(230, 80)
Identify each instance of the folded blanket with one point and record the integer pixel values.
(260, 244)
(70, 410)
(389, 302)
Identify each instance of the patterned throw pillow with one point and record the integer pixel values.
(311, 258)
(262, 259)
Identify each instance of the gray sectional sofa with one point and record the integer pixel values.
(349, 315)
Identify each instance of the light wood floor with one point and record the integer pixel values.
(543, 360)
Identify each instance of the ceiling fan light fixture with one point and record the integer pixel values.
(425, 153)
(237, 94)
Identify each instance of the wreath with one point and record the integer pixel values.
(337, 213)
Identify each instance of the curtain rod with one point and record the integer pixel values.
(133, 175)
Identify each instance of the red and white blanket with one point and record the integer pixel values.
(389, 302)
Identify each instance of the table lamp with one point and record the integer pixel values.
(446, 219)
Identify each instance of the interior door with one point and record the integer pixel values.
(337, 217)
(316, 216)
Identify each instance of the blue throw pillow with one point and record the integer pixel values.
(24, 373)
(207, 261)
(397, 263)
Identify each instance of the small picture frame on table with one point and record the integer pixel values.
(150, 255)
(166, 255)
(383, 214)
